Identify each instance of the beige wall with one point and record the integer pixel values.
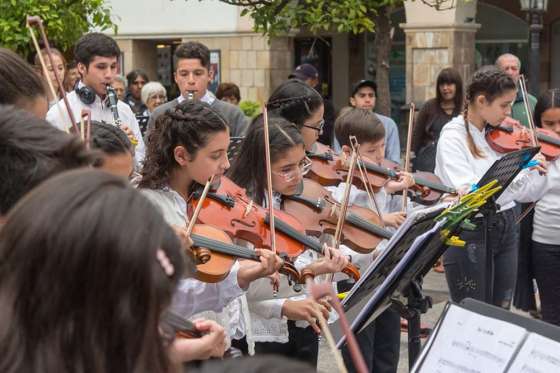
(252, 63)
(139, 54)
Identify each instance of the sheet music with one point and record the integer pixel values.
(538, 355)
(471, 343)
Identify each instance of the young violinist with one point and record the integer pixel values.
(60, 67)
(285, 324)
(97, 57)
(66, 309)
(33, 151)
(463, 156)
(546, 220)
(187, 146)
(21, 86)
(302, 105)
(380, 341)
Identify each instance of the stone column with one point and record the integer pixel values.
(435, 40)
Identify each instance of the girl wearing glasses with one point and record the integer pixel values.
(285, 324)
(300, 104)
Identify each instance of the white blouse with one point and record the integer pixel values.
(458, 167)
(223, 301)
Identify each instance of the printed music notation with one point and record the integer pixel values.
(537, 355)
(467, 342)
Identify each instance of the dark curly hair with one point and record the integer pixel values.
(491, 82)
(189, 124)
(295, 101)
(109, 139)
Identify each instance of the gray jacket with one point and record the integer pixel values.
(233, 116)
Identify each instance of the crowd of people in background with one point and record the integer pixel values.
(168, 146)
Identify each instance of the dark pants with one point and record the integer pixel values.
(486, 268)
(303, 345)
(546, 267)
(380, 344)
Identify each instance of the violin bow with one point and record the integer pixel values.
(31, 20)
(365, 179)
(534, 137)
(408, 150)
(198, 207)
(528, 110)
(325, 291)
(268, 167)
(346, 198)
(85, 127)
(200, 255)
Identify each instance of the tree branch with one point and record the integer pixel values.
(248, 2)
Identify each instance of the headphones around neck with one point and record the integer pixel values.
(85, 94)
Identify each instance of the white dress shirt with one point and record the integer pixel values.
(58, 117)
(458, 167)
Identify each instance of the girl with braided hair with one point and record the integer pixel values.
(188, 145)
(300, 104)
(463, 156)
(284, 323)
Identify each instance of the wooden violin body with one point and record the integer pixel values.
(329, 170)
(507, 138)
(319, 212)
(215, 254)
(230, 209)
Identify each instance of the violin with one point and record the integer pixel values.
(229, 208)
(512, 136)
(175, 326)
(214, 254)
(329, 170)
(507, 138)
(319, 212)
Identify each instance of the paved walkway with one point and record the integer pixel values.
(434, 286)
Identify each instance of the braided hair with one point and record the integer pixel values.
(491, 82)
(190, 125)
(109, 139)
(295, 101)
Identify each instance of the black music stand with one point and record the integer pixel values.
(406, 260)
(411, 252)
(504, 171)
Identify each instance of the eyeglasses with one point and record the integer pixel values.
(317, 126)
(291, 174)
